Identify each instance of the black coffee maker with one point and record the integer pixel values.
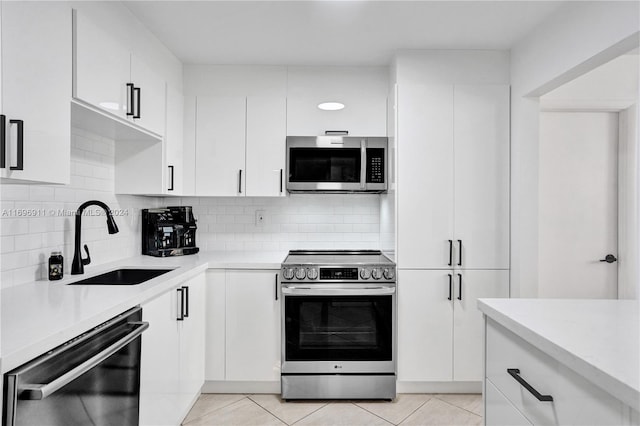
(169, 231)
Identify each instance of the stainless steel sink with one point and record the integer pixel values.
(123, 277)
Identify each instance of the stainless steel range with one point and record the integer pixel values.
(338, 325)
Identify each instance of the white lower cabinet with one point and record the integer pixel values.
(502, 412)
(243, 326)
(172, 365)
(440, 329)
(576, 400)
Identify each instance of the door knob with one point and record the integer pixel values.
(609, 258)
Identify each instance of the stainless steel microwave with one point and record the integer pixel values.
(336, 164)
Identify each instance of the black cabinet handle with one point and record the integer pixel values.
(130, 99)
(459, 286)
(171, 185)
(181, 311)
(20, 165)
(138, 92)
(3, 141)
(281, 181)
(515, 373)
(240, 182)
(186, 301)
(276, 282)
(460, 253)
(450, 253)
(450, 286)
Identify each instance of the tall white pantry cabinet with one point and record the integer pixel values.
(453, 224)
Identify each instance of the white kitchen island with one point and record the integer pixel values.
(583, 354)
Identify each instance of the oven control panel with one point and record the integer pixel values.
(384, 273)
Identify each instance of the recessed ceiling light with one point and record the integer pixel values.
(331, 106)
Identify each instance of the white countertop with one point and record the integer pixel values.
(598, 339)
(38, 316)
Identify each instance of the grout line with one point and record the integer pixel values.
(414, 411)
(265, 410)
(378, 416)
(212, 411)
(457, 406)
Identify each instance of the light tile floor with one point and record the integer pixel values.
(406, 409)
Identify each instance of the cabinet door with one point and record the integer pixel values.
(36, 83)
(102, 67)
(266, 136)
(499, 411)
(253, 326)
(160, 362)
(468, 322)
(481, 135)
(150, 98)
(215, 325)
(220, 146)
(425, 315)
(174, 169)
(192, 348)
(425, 176)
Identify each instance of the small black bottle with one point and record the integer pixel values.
(56, 266)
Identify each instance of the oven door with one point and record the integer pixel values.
(338, 329)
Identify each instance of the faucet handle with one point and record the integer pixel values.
(88, 259)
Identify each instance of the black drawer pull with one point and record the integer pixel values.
(450, 253)
(450, 286)
(515, 373)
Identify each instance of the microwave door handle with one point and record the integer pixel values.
(363, 164)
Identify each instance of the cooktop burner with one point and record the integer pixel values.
(337, 266)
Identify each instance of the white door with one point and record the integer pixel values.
(425, 176)
(220, 146)
(253, 326)
(36, 84)
(425, 318)
(266, 136)
(174, 137)
(481, 141)
(578, 207)
(468, 322)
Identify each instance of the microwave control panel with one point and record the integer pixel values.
(375, 165)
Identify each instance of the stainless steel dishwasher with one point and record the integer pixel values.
(93, 379)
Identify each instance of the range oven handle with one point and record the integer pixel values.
(361, 291)
(41, 391)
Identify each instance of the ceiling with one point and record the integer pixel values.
(333, 32)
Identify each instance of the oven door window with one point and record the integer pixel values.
(345, 328)
(324, 164)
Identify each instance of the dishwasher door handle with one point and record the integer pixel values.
(41, 391)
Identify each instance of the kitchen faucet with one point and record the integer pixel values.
(77, 266)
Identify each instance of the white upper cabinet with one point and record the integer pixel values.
(220, 145)
(174, 136)
(425, 176)
(110, 77)
(149, 96)
(453, 176)
(481, 141)
(36, 83)
(102, 67)
(362, 116)
(240, 146)
(266, 136)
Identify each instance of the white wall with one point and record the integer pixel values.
(571, 42)
(38, 219)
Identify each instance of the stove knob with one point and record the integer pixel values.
(365, 273)
(389, 273)
(376, 273)
(287, 273)
(312, 273)
(300, 274)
